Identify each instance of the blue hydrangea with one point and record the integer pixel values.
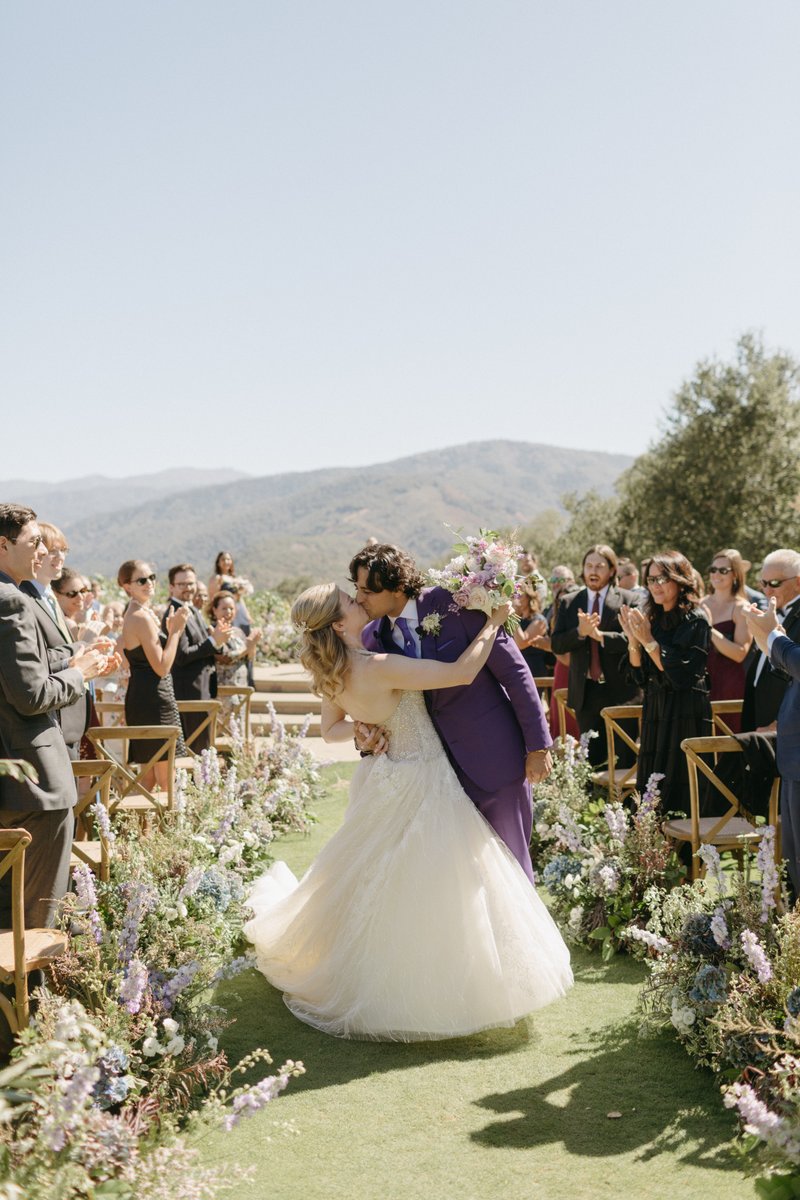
(557, 870)
(710, 985)
(793, 1002)
(697, 936)
(213, 886)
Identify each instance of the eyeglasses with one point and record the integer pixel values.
(720, 570)
(660, 580)
(773, 583)
(34, 545)
(77, 592)
(143, 579)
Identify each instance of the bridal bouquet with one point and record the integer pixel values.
(481, 575)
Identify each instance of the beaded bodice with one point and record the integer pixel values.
(411, 733)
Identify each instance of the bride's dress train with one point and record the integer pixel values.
(415, 921)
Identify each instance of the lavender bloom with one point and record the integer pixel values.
(141, 899)
(131, 993)
(181, 780)
(761, 1121)
(617, 822)
(566, 831)
(585, 738)
(237, 734)
(652, 796)
(83, 879)
(100, 813)
(191, 883)
(719, 928)
(174, 986)
(74, 1099)
(256, 1098)
(234, 967)
(770, 879)
(709, 856)
(754, 952)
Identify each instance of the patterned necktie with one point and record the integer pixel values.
(409, 645)
(595, 669)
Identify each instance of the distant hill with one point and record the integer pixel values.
(73, 499)
(311, 522)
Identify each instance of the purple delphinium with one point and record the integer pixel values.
(256, 1098)
(770, 880)
(131, 992)
(140, 901)
(234, 967)
(83, 879)
(709, 856)
(100, 814)
(754, 952)
(617, 822)
(75, 1097)
(719, 928)
(174, 986)
(652, 795)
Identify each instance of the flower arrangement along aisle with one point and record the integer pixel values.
(598, 861)
(122, 1059)
(725, 975)
(481, 575)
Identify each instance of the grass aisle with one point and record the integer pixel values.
(508, 1113)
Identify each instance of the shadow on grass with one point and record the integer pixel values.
(262, 1019)
(665, 1106)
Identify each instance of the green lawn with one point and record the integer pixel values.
(510, 1113)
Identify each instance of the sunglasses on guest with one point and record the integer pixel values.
(720, 570)
(658, 580)
(143, 579)
(774, 583)
(78, 592)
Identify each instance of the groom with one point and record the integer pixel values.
(494, 731)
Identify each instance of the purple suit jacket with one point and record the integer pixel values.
(489, 726)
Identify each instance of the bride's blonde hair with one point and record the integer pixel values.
(322, 651)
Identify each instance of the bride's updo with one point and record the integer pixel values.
(322, 651)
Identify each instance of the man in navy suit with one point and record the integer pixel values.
(784, 654)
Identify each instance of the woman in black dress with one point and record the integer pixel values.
(150, 699)
(668, 646)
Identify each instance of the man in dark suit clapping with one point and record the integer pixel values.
(194, 672)
(765, 682)
(588, 630)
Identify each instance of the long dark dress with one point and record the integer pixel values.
(149, 700)
(675, 706)
(539, 661)
(725, 675)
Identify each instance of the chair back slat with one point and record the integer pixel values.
(127, 783)
(211, 709)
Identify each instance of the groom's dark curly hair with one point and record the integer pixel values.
(389, 569)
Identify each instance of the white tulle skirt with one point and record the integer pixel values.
(414, 922)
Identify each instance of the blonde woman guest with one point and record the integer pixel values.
(415, 921)
(150, 698)
(726, 604)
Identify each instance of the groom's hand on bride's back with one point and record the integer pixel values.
(370, 739)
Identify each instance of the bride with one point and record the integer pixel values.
(415, 921)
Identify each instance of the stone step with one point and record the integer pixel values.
(287, 677)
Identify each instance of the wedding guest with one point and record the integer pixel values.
(528, 568)
(61, 646)
(588, 629)
(765, 682)
(532, 629)
(628, 578)
(668, 643)
(232, 657)
(150, 699)
(562, 582)
(111, 615)
(194, 671)
(201, 596)
(726, 605)
(70, 589)
(31, 694)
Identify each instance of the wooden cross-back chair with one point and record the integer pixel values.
(210, 709)
(564, 711)
(620, 781)
(96, 853)
(720, 710)
(544, 686)
(731, 831)
(21, 950)
(129, 793)
(236, 702)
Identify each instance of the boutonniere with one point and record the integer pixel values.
(432, 624)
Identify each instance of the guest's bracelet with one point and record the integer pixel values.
(650, 647)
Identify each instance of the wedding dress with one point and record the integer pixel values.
(415, 921)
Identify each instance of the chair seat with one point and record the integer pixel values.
(82, 852)
(41, 946)
(729, 834)
(139, 803)
(622, 775)
(187, 761)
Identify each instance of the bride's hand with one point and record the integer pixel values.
(501, 614)
(370, 739)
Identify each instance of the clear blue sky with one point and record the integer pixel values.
(285, 235)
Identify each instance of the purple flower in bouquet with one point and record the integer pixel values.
(481, 575)
(652, 795)
(131, 993)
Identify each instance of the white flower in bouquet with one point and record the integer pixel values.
(481, 574)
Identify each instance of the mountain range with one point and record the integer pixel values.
(309, 523)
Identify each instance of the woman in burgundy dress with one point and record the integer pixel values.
(725, 604)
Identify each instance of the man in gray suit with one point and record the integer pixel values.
(30, 697)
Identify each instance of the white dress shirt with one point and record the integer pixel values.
(411, 615)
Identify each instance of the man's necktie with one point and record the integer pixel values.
(58, 616)
(595, 669)
(409, 645)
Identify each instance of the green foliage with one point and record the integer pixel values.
(557, 539)
(726, 471)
